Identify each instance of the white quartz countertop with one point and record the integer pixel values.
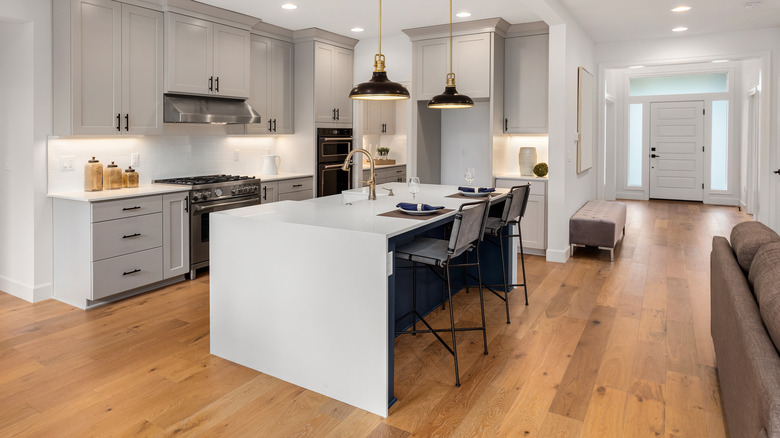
(107, 195)
(521, 177)
(367, 166)
(282, 176)
(360, 216)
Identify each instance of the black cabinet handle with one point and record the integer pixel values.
(127, 122)
(131, 272)
(506, 124)
(186, 204)
(338, 114)
(297, 185)
(119, 122)
(127, 236)
(334, 113)
(211, 83)
(217, 87)
(265, 192)
(654, 156)
(131, 208)
(274, 125)
(270, 129)
(777, 171)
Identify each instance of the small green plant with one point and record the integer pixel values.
(541, 169)
(383, 152)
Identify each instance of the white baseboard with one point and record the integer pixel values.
(558, 255)
(26, 292)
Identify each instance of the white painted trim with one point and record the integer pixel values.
(558, 255)
(26, 292)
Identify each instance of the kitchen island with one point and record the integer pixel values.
(305, 291)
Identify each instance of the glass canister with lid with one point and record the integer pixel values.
(130, 178)
(112, 177)
(93, 176)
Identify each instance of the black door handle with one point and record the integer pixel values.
(274, 125)
(334, 113)
(506, 124)
(777, 171)
(211, 83)
(338, 114)
(654, 156)
(217, 87)
(270, 129)
(119, 122)
(127, 122)
(186, 204)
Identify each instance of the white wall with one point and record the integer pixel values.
(466, 141)
(398, 58)
(25, 120)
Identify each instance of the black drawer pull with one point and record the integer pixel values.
(131, 208)
(297, 185)
(131, 235)
(131, 272)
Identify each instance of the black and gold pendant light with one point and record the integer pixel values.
(379, 87)
(450, 98)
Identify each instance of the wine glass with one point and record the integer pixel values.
(470, 175)
(414, 186)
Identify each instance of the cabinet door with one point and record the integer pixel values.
(97, 75)
(190, 55)
(534, 223)
(176, 234)
(431, 59)
(282, 86)
(471, 64)
(387, 116)
(324, 57)
(372, 118)
(231, 61)
(269, 192)
(142, 71)
(525, 85)
(260, 79)
(342, 84)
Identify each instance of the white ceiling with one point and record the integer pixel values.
(603, 20)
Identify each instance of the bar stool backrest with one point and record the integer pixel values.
(468, 227)
(517, 201)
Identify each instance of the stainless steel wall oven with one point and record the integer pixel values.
(333, 146)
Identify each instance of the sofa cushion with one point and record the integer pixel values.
(747, 237)
(765, 278)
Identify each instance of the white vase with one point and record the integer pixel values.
(527, 161)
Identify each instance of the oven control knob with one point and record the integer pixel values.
(218, 192)
(196, 196)
(254, 188)
(233, 191)
(207, 195)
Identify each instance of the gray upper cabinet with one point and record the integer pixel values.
(332, 84)
(108, 68)
(471, 65)
(206, 58)
(525, 85)
(272, 78)
(378, 117)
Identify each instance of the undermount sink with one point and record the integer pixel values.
(349, 197)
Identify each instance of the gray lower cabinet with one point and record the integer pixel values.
(386, 174)
(534, 222)
(104, 248)
(292, 189)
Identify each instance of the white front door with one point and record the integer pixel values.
(677, 150)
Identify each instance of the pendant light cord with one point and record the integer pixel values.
(380, 27)
(450, 36)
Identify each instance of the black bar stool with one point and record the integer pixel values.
(514, 209)
(427, 252)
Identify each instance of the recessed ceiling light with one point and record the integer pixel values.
(463, 14)
(751, 5)
(357, 29)
(289, 6)
(720, 60)
(681, 9)
(637, 66)
(679, 29)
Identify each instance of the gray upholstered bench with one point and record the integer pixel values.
(598, 223)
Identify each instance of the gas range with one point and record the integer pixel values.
(213, 187)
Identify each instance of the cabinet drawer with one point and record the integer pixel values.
(294, 185)
(295, 196)
(104, 211)
(123, 273)
(124, 236)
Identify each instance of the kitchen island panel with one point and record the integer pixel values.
(311, 302)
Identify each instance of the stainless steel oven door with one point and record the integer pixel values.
(199, 226)
(333, 148)
(332, 180)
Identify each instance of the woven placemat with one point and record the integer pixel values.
(459, 195)
(422, 217)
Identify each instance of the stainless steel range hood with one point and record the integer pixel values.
(180, 108)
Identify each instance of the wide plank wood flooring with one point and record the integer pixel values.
(603, 350)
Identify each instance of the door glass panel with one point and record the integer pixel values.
(720, 145)
(680, 84)
(635, 145)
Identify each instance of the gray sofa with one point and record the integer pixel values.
(745, 298)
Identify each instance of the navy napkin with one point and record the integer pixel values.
(481, 189)
(417, 207)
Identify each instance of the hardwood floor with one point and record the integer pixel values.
(604, 349)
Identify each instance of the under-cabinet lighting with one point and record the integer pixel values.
(681, 9)
(637, 66)
(720, 60)
(357, 29)
(289, 6)
(463, 14)
(680, 29)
